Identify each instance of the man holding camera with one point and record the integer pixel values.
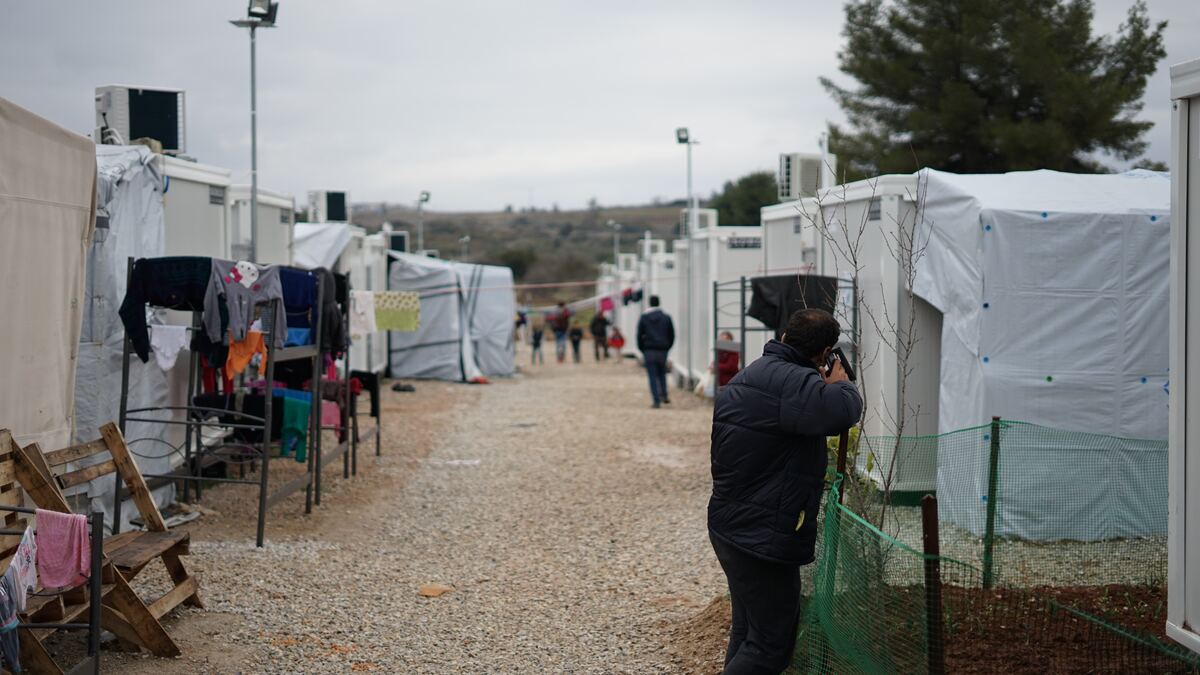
(768, 468)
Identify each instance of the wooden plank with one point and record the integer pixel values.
(177, 573)
(11, 498)
(7, 475)
(34, 657)
(149, 632)
(116, 623)
(141, 550)
(132, 476)
(297, 483)
(70, 480)
(38, 459)
(174, 597)
(38, 485)
(74, 453)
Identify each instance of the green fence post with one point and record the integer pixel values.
(989, 533)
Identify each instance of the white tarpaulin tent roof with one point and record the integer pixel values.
(491, 305)
(47, 210)
(1053, 289)
(319, 244)
(130, 223)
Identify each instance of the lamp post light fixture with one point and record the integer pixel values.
(421, 199)
(260, 14)
(683, 137)
(465, 242)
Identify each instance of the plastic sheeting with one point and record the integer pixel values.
(491, 306)
(129, 200)
(319, 244)
(441, 349)
(47, 211)
(1053, 289)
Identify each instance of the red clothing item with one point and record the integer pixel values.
(727, 366)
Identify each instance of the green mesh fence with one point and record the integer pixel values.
(1065, 572)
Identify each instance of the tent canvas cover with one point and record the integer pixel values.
(462, 306)
(1053, 289)
(47, 211)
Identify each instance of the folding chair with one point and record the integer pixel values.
(125, 614)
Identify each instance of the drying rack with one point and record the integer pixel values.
(347, 447)
(197, 457)
(91, 663)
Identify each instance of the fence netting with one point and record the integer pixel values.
(1022, 588)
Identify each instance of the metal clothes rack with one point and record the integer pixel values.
(91, 663)
(347, 447)
(742, 286)
(197, 458)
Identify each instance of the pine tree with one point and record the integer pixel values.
(986, 85)
(739, 203)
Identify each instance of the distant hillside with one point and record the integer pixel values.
(541, 246)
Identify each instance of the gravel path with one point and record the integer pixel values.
(566, 515)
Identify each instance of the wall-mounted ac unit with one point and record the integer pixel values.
(705, 219)
(800, 174)
(398, 241)
(327, 206)
(142, 112)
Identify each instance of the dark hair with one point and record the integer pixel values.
(654, 301)
(810, 331)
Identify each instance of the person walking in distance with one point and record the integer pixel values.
(655, 337)
(560, 323)
(768, 467)
(537, 328)
(599, 331)
(576, 337)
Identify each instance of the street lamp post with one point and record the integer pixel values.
(260, 14)
(684, 138)
(421, 199)
(465, 242)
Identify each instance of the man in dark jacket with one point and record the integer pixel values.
(768, 466)
(599, 329)
(655, 337)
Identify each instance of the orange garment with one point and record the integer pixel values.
(241, 352)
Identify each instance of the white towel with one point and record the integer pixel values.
(362, 314)
(167, 342)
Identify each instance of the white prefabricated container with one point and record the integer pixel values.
(719, 254)
(1183, 550)
(196, 208)
(627, 315)
(662, 279)
(790, 242)
(276, 221)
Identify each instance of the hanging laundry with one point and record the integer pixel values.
(241, 352)
(178, 282)
(23, 568)
(776, 298)
(606, 304)
(362, 314)
(10, 646)
(243, 286)
(167, 342)
(636, 296)
(293, 434)
(331, 415)
(297, 337)
(334, 334)
(398, 310)
(626, 296)
(63, 549)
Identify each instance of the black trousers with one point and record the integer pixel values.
(766, 611)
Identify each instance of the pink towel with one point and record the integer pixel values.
(63, 549)
(331, 415)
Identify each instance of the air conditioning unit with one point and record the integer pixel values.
(325, 206)
(705, 219)
(398, 241)
(800, 174)
(125, 114)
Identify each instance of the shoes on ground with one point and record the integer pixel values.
(655, 405)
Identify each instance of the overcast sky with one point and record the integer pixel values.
(483, 103)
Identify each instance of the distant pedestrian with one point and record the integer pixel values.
(599, 330)
(576, 337)
(537, 329)
(655, 337)
(727, 361)
(617, 341)
(560, 323)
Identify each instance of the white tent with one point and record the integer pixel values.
(491, 305)
(129, 208)
(441, 349)
(47, 211)
(319, 244)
